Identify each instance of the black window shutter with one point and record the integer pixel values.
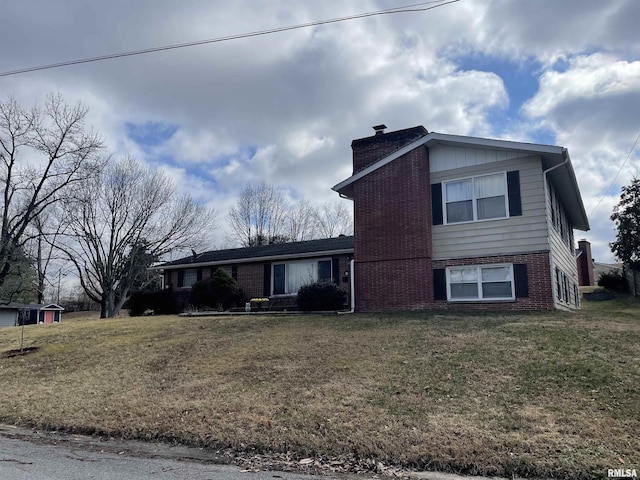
(439, 284)
(513, 187)
(521, 280)
(266, 290)
(335, 266)
(234, 272)
(180, 278)
(199, 275)
(436, 203)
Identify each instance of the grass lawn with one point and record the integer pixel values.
(551, 394)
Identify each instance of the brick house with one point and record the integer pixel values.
(441, 221)
(276, 271)
(446, 221)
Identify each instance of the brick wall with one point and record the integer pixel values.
(538, 276)
(392, 220)
(251, 279)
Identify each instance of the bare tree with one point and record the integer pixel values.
(42, 154)
(122, 221)
(301, 221)
(333, 219)
(46, 228)
(259, 216)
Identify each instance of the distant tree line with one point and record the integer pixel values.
(262, 216)
(68, 206)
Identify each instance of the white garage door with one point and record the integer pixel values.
(8, 318)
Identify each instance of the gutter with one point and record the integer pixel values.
(266, 258)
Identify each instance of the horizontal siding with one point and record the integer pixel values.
(444, 157)
(525, 233)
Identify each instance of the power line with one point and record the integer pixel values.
(614, 178)
(418, 7)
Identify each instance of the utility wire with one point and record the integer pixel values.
(614, 178)
(418, 7)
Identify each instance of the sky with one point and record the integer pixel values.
(285, 107)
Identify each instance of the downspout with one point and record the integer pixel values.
(353, 290)
(547, 201)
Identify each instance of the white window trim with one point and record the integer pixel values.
(286, 273)
(474, 199)
(479, 282)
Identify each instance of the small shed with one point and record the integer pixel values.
(12, 314)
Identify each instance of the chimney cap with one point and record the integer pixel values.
(379, 128)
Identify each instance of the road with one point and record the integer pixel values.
(30, 455)
(34, 460)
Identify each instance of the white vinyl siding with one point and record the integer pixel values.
(563, 261)
(517, 234)
(443, 158)
(480, 283)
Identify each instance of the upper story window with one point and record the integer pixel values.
(476, 198)
(559, 218)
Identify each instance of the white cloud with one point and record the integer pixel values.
(284, 108)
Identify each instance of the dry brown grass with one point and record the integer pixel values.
(549, 395)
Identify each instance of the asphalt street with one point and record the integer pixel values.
(27, 454)
(24, 460)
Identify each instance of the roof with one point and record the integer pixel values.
(276, 251)
(32, 306)
(563, 177)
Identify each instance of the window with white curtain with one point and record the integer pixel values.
(480, 282)
(476, 198)
(290, 276)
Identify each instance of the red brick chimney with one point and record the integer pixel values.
(371, 149)
(585, 264)
(392, 223)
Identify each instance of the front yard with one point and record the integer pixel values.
(551, 395)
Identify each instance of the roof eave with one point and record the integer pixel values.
(265, 258)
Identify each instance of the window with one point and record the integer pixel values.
(289, 277)
(189, 278)
(481, 282)
(476, 198)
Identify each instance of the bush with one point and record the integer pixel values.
(160, 302)
(616, 282)
(220, 291)
(321, 296)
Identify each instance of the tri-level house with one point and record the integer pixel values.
(447, 221)
(441, 222)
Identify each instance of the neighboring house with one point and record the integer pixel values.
(13, 314)
(276, 271)
(446, 221)
(585, 264)
(600, 268)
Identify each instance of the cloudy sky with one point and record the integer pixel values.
(285, 107)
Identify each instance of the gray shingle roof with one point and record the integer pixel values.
(280, 250)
